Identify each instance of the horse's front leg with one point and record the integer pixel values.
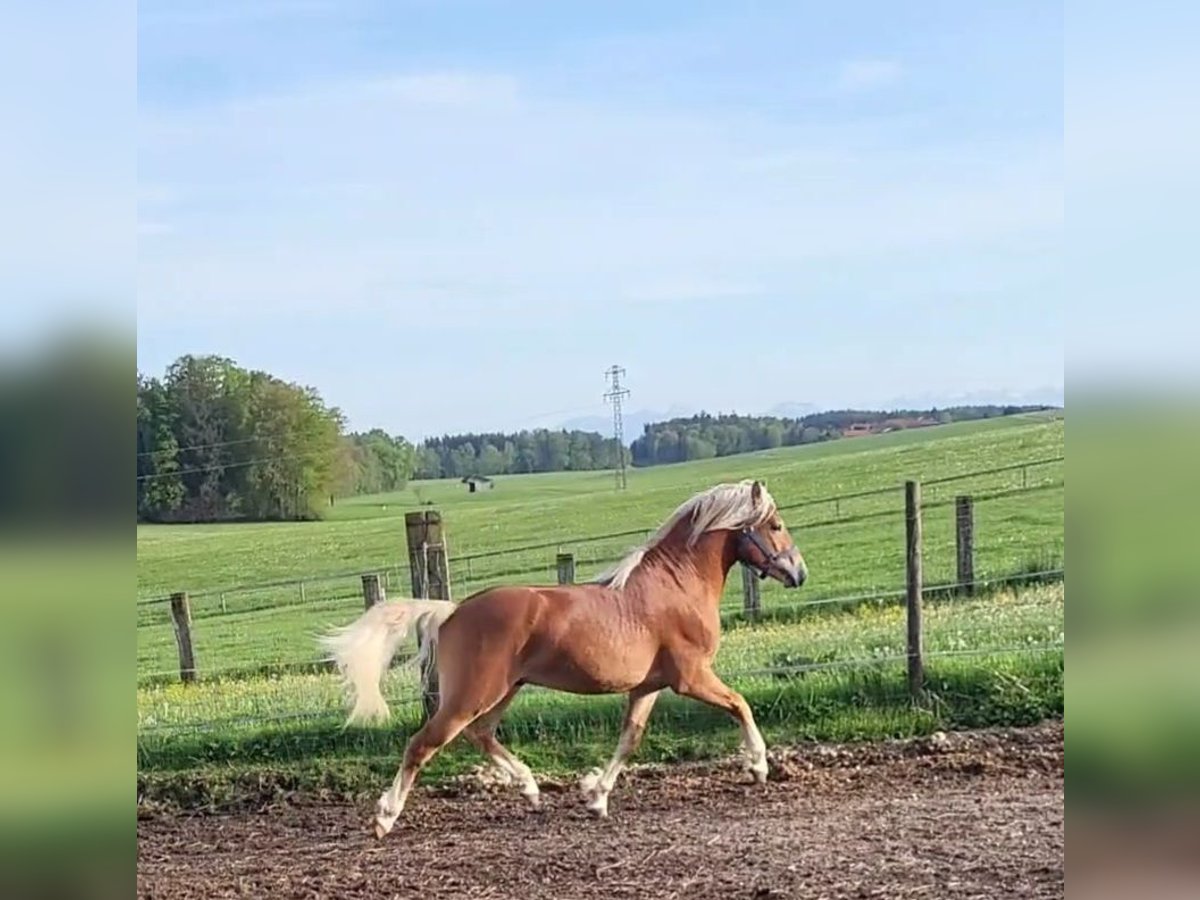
(701, 683)
(598, 783)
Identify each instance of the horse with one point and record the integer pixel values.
(650, 623)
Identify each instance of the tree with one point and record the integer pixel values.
(491, 461)
(159, 485)
(216, 441)
(579, 452)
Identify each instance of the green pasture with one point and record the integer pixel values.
(853, 546)
(866, 633)
(995, 659)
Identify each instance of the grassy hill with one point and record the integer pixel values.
(363, 531)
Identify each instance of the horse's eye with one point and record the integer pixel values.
(777, 526)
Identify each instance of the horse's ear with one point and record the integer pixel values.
(756, 492)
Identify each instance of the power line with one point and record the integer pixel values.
(248, 440)
(222, 466)
(557, 412)
(616, 393)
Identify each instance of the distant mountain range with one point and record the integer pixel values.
(1044, 396)
(635, 420)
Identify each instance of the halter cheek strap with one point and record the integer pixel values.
(769, 558)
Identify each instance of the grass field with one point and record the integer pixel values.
(820, 671)
(846, 553)
(991, 660)
(1008, 619)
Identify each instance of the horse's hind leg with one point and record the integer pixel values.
(599, 783)
(482, 733)
(457, 710)
(442, 727)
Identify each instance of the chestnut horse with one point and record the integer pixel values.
(652, 622)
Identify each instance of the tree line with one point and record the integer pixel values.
(705, 436)
(219, 442)
(539, 450)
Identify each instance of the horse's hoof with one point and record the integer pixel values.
(599, 810)
(757, 774)
(381, 830)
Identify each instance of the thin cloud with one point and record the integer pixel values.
(152, 228)
(690, 290)
(191, 14)
(868, 74)
(348, 197)
(449, 89)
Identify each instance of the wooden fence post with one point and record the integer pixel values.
(427, 555)
(566, 568)
(372, 590)
(181, 616)
(751, 601)
(430, 572)
(912, 529)
(964, 521)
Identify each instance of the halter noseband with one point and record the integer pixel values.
(763, 568)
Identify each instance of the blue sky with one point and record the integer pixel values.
(456, 215)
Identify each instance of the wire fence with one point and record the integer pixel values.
(258, 668)
(854, 556)
(326, 706)
(846, 507)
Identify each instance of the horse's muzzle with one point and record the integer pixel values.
(793, 570)
(796, 575)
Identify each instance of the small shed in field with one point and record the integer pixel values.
(477, 483)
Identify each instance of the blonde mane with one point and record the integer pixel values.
(725, 506)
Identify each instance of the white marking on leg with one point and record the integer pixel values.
(529, 785)
(391, 803)
(598, 783)
(516, 771)
(756, 750)
(597, 797)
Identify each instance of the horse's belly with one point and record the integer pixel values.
(595, 667)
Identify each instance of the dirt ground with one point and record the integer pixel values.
(961, 815)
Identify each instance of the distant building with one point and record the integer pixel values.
(858, 429)
(477, 483)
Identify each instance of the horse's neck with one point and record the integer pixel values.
(697, 572)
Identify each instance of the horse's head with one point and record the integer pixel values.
(768, 548)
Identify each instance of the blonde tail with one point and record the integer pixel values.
(363, 649)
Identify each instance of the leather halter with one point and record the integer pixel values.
(769, 558)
